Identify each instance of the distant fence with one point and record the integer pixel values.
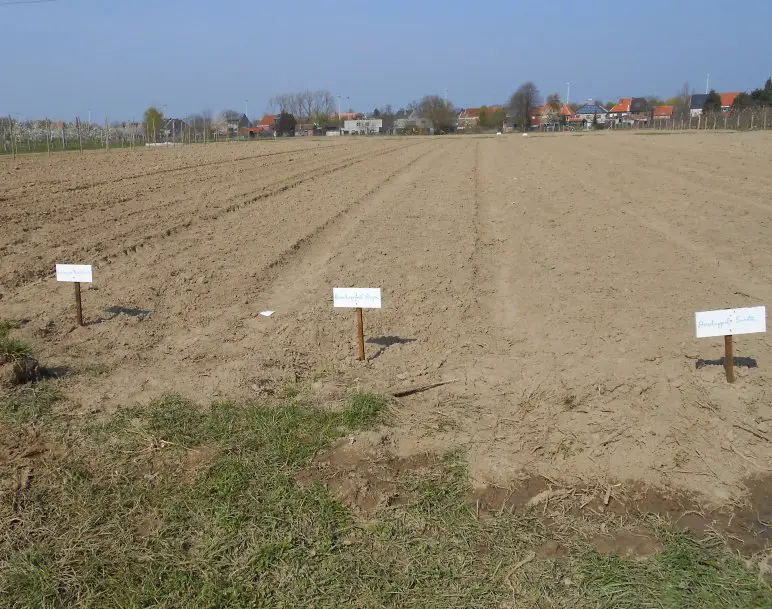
(749, 119)
(54, 136)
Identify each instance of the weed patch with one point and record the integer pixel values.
(28, 404)
(127, 516)
(11, 349)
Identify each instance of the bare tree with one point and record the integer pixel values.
(322, 102)
(439, 111)
(304, 104)
(682, 105)
(522, 104)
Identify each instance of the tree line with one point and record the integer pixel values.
(321, 108)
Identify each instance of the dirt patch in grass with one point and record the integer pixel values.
(745, 525)
(362, 474)
(628, 544)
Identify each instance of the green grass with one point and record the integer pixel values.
(28, 403)
(11, 347)
(72, 145)
(176, 505)
(688, 574)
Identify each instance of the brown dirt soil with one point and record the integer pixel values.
(552, 279)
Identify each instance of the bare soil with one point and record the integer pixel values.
(549, 281)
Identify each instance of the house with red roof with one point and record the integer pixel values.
(469, 118)
(547, 115)
(727, 100)
(266, 125)
(662, 113)
(698, 102)
(628, 111)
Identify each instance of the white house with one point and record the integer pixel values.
(414, 120)
(590, 111)
(365, 126)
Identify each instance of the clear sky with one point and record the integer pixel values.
(118, 56)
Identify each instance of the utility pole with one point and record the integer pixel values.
(568, 93)
(707, 84)
(246, 108)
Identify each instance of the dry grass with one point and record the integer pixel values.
(173, 505)
(11, 348)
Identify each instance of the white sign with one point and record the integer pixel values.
(730, 321)
(80, 273)
(357, 298)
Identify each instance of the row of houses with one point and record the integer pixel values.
(631, 110)
(351, 124)
(626, 112)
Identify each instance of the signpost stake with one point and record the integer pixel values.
(727, 323)
(361, 334)
(358, 299)
(728, 358)
(78, 308)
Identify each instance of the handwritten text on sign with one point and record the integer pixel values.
(731, 321)
(357, 298)
(80, 273)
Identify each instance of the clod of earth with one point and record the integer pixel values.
(21, 371)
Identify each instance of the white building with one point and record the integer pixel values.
(592, 111)
(364, 126)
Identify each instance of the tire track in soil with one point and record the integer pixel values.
(8, 195)
(475, 257)
(705, 180)
(264, 280)
(271, 271)
(84, 215)
(731, 274)
(296, 283)
(108, 205)
(155, 209)
(44, 270)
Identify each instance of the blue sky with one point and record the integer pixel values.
(119, 56)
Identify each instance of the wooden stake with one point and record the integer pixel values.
(10, 124)
(78, 307)
(361, 335)
(80, 136)
(728, 359)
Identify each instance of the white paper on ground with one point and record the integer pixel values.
(80, 273)
(267, 313)
(727, 322)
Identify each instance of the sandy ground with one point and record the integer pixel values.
(551, 281)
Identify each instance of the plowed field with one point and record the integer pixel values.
(549, 281)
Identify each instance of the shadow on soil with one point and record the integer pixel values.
(739, 362)
(387, 341)
(131, 312)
